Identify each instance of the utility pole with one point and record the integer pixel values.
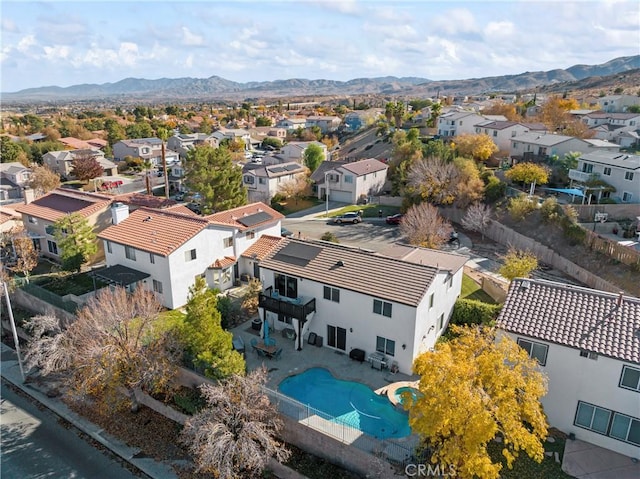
(13, 327)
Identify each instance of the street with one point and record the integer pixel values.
(36, 445)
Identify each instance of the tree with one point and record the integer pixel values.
(272, 142)
(86, 167)
(313, 156)
(211, 172)
(76, 239)
(234, 436)
(163, 134)
(434, 179)
(423, 226)
(330, 237)
(436, 109)
(555, 112)
(470, 188)
(296, 187)
(10, 151)
(518, 264)
(263, 121)
(116, 342)
(25, 254)
(479, 147)
(43, 179)
(529, 173)
(508, 110)
(209, 346)
(476, 388)
(477, 218)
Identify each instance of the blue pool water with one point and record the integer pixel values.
(405, 393)
(349, 402)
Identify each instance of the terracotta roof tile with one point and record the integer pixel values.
(262, 247)
(156, 231)
(60, 202)
(141, 199)
(223, 263)
(581, 318)
(231, 217)
(182, 209)
(363, 167)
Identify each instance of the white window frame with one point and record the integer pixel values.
(157, 286)
(109, 250)
(531, 349)
(227, 242)
(382, 306)
(52, 247)
(628, 175)
(152, 258)
(331, 294)
(190, 255)
(386, 349)
(607, 171)
(626, 196)
(130, 252)
(635, 388)
(250, 235)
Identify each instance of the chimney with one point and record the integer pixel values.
(619, 302)
(119, 213)
(29, 195)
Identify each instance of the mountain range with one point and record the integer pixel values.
(217, 88)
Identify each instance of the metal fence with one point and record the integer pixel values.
(49, 297)
(329, 425)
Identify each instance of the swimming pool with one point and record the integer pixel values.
(348, 402)
(412, 394)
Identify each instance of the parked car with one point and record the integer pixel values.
(285, 232)
(351, 217)
(180, 197)
(195, 207)
(394, 219)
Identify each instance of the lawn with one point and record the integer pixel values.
(472, 290)
(77, 284)
(368, 211)
(292, 206)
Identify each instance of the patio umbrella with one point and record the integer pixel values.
(265, 330)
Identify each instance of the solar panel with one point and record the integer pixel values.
(291, 167)
(277, 169)
(254, 219)
(297, 253)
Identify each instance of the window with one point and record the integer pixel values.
(431, 298)
(248, 179)
(250, 234)
(536, 350)
(225, 275)
(285, 285)
(630, 378)
(592, 417)
(130, 253)
(385, 346)
(152, 258)
(32, 220)
(157, 286)
(607, 171)
(332, 294)
(262, 181)
(610, 423)
(52, 247)
(109, 247)
(348, 179)
(590, 355)
(190, 255)
(228, 242)
(587, 168)
(625, 428)
(626, 197)
(441, 321)
(495, 133)
(50, 230)
(382, 307)
(628, 175)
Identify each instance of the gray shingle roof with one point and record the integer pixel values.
(581, 318)
(364, 272)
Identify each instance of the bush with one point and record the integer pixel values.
(520, 206)
(494, 189)
(471, 311)
(574, 233)
(229, 312)
(550, 211)
(329, 236)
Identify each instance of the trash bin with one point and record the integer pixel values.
(319, 341)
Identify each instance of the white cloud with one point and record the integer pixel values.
(499, 29)
(292, 58)
(57, 52)
(458, 20)
(126, 55)
(25, 43)
(8, 26)
(191, 39)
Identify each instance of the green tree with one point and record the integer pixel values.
(518, 264)
(163, 134)
(76, 239)
(263, 121)
(436, 109)
(211, 172)
(313, 156)
(10, 151)
(476, 388)
(115, 131)
(140, 129)
(271, 141)
(209, 346)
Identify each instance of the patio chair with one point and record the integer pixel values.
(277, 354)
(261, 353)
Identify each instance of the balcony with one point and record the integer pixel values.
(581, 176)
(298, 308)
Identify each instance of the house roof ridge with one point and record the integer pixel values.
(573, 287)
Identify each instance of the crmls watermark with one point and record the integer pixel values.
(430, 470)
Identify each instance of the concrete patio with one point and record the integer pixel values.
(586, 461)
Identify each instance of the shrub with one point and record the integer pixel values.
(329, 236)
(471, 311)
(574, 233)
(520, 206)
(494, 189)
(550, 211)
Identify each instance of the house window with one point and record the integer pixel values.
(495, 133)
(262, 181)
(536, 350)
(628, 175)
(382, 307)
(285, 285)
(225, 275)
(50, 230)
(607, 171)
(332, 294)
(431, 299)
(587, 168)
(592, 417)
(441, 321)
(152, 258)
(52, 247)
(248, 179)
(157, 286)
(610, 423)
(190, 255)
(250, 234)
(625, 428)
(626, 197)
(109, 247)
(32, 220)
(348, 179)
(228, 242)
(130, 253)
(590, 355)
(385, 346)
(630, 378)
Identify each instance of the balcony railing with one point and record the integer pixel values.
(298, 308)
(581, 176)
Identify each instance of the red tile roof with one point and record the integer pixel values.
(60, 202)
(262, 247)
(182, 209)
(230, 217)
(223, 263)
(141, 199)
(156, 231)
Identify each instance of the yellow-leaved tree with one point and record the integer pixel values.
(476, 389)
(479, 147)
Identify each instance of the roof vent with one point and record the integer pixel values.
(340, 263)
(525, 285)
(148, 218)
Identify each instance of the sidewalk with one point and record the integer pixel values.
(10, 372)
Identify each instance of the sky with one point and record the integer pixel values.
(67, 43)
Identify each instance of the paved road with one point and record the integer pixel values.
(36, 445)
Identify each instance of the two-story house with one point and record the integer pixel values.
(292, 124)
(617, 103)
(183, 142)
(350, 182)
(294, 150)
(263, 182)
(233, 134)
(538, 145)
(620, 170)
(347, 298)
(15, 177)
(587, 343)
(168, 249)
(147, 149)
(61, 162)
(610, 126)
(455, 123)
(502, 132)
(325, 123)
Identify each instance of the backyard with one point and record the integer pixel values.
(472, 290)
(291, 205)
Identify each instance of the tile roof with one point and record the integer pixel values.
(356, 270)
(60, 202)
(581, 318)
(363, 167)
(141, 199)
(182, 209)
(540, 138)
(231, 217)
(223, 263)
(75, 143)
(262, 247)
(156, 231)
(414, 254)
(613, 158)
(4, 217)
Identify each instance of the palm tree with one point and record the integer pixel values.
(163, 134)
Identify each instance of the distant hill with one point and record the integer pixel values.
(217, 88)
